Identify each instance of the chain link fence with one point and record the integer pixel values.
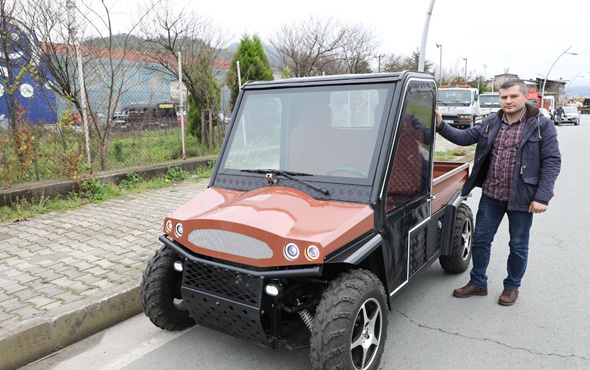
(135, 106)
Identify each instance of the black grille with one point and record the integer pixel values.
(221, 281)
(417, 251)
(434, 237)
(341, 192)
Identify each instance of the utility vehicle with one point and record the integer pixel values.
(324, 203)
(459, 106)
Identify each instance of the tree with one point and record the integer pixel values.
(309, 47)
(254, 65)
(397, 63)
(9, 47)
(358, 45)
(60, 24)
(171, 31)
(208, 98)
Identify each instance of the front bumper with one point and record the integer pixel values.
(569, 119)
(231, 299)
(455, 121)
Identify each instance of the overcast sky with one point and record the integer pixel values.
(521, 37)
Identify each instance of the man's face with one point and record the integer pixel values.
(512, 100)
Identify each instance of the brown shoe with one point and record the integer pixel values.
(508, 297)
(470, 290)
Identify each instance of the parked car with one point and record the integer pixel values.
(545, 113)
(570, 115)
(324, 204)
(145, 116)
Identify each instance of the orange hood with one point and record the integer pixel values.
(253, 227)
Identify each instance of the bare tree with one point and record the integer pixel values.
(170, 31)
(310, 47)
(60, 27)
(9, 48)
(398, 63)
(358, 46)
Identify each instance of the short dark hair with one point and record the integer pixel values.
(515, 82)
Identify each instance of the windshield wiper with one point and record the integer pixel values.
(271, 177)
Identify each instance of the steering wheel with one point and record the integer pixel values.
(350, 170)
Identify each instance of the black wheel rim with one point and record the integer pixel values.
(366, 334)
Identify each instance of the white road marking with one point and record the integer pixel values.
(144, 348)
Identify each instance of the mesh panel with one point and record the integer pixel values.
(231, 243)
(434, 236)
(133, 113)
(342, 192)
(417, 250)
(220, 281)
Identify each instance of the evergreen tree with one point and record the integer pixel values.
(254, 65)
(208, 97)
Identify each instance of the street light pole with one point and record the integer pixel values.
(439, 46)
(549, 71)
(424, 37)
(465, 70)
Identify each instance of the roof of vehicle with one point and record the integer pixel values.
(150, 104)
(457, 88)
(336, 79)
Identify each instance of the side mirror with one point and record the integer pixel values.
(476, 96)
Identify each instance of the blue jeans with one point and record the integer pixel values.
(489, 215)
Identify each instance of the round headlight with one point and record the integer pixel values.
(312, 252)
(291, 251)
(178, 230)
(168, 226)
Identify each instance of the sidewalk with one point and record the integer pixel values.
(65, 276)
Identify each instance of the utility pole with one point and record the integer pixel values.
(465, 59)
(424, 37)
(182, 97)
(379, 62)
(439, 46)
(71, 8)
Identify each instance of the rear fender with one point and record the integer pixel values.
(450, 213)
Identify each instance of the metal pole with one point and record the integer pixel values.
(465, 70)
(239, 75)
(424, 37)
(84, 105)
(440, 63)
(180, 85)
(71, 8)
(549, 71)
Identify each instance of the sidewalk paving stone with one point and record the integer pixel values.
(58, 260)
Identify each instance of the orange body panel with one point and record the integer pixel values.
(448, 178)
(275, 215)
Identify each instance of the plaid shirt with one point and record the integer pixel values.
(502, 166)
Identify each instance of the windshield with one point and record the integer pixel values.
(489, 101)
(570, 109)
(454, 97)
(326, 131)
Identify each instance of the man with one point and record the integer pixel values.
(559, 114)
(517, 161)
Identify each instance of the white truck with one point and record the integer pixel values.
(489, 103)
(458, 106)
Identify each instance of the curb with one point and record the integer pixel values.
(36, 190)
(39, 337)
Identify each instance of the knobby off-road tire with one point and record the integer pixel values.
(160, 292)
(460, 256)
(350, 324)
